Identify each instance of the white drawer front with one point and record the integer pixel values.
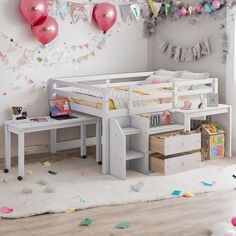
(182, 143)
(182, 163)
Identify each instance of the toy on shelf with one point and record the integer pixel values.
(159, 118)
(212, 141)
(18, 114)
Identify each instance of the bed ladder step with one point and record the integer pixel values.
(133, 154)
(130, 130)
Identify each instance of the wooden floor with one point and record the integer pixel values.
(174, 217)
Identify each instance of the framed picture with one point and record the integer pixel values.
(212, 100)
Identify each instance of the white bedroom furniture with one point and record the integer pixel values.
(93, 95)
(120, 99)
(221, 114)
(21, 127)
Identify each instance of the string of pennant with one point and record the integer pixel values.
(83, 11)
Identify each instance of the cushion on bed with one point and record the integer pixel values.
(163, 72)
(192, 75)
(157, 79)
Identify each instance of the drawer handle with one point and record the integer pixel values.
(183, 164)
(182, 143)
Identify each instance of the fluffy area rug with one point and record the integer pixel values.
(78, 183)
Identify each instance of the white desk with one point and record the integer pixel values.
(222, 115)
(21, 127)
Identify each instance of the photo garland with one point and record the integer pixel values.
(189, 54)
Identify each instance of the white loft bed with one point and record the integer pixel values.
(95, 93)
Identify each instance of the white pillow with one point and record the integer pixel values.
(163, 72)
(192, 75)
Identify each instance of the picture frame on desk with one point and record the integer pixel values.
(212, 100)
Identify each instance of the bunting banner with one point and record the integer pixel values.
(181, 54)
(125, 12)
(135, 8)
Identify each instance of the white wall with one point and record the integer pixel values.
(125, 51)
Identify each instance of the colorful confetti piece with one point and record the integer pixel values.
(6, 210)
(207, 184)
(176, 193)
(71, 210)
(46, 163)
(52, 172)
(86, 222)
(29, 172)
(123, 225)
(188, 194)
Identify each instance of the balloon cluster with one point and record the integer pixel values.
(44, 27)
(177, 10)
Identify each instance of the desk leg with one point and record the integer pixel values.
(21, 156)
(98, 142)
(53, 141)
(83, 141)
(187, 124)
(7, 150)
(105, 146)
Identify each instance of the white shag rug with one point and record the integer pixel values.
(79, 184)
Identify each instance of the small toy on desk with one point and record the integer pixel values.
(17, 113)
(39, 119)
(187, 105)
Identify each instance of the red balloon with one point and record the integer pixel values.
(104, 15)
(33, 10)
(46, 30)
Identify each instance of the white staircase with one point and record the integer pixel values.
(124, 151)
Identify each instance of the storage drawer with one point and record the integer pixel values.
(176, 163)
(174, 143)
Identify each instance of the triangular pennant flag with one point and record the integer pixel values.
(88, 9)
(135, 8)
(124, 11)
(157, 6)
(62, 8)
(153, 8)
(144, 10)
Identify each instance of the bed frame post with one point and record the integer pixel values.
(105, 131)
(175, 100)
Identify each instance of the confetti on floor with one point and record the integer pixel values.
(29, 172)
(123, 225)
(52, 172)
(188, 194)
(176, 193)
(71, 210)
(207, 184)
(46, 163)
(6, 210)
(86, 222)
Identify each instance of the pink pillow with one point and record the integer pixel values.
(159, 81)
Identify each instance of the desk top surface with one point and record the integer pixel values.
(220, 107)
(28, 123)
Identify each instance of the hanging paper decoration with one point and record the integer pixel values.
(180, 54)
(62, 8)
(135, 8)
(125, 12)
(81, 12)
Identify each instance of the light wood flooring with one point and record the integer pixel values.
(174, 217)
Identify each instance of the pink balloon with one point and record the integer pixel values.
(233, 221)
(216, 4)
(183, 11)
(46, 30)
(33, 10)
(104, 16)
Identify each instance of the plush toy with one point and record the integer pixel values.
(187, 105)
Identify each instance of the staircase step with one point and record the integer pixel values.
(132, 154)
(130, 130)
